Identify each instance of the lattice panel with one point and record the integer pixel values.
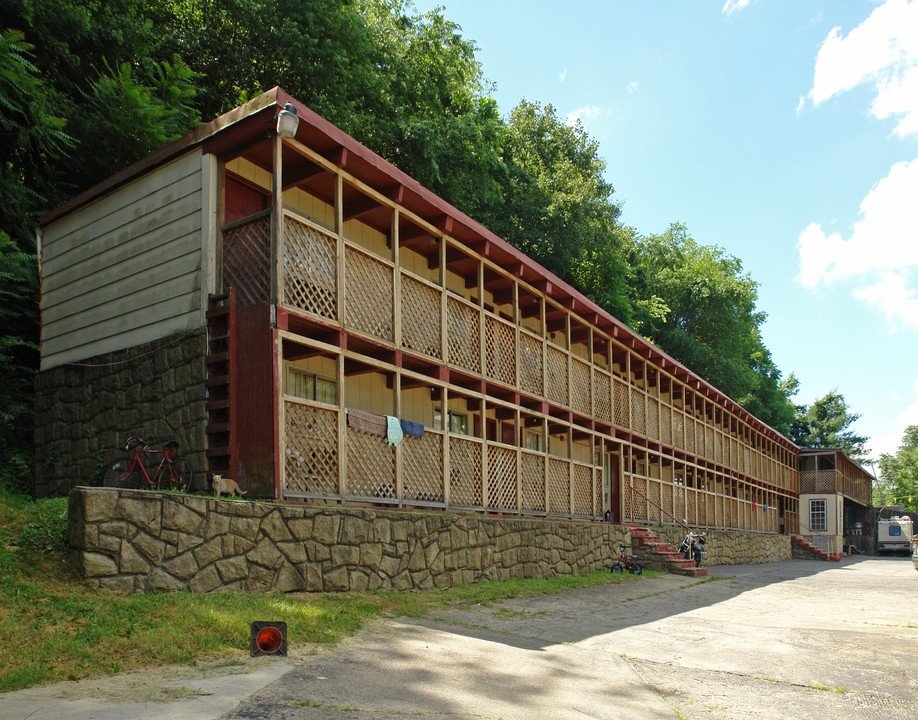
(638, 500)
(653, 419)
(463, 337)
(638, 423)
(464, 472)
(678, 427)
(559, 487)
(556, 381)
(368, 293)
(422, 467)
(501, 478)
(807, 483)
(532, 473)
(666, 424)
(602, 395)
(620, 396)
(710, 502)
(583, 490)
(627, 510)
(580, 387)
(709, 443)
(310, 450)
(666, 500)
(247, 261)
(597, 493)
(531, 365)
(678, 509)
(694, 502)
(730, 508)
(653, 501)
(370, 466)
(825, 481)
(690, 435)
(421, 320)
(310, 269)
(500, 350)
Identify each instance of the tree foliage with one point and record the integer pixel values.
(900, 473)
(698, 305)
(827, 424)
(88, 86)
(557, 206)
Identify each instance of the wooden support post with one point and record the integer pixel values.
(277, 222)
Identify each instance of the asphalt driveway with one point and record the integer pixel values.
(796, 639)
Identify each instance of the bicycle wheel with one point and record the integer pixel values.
(121, 473)
(636, 568)
(617, 567)
(182, 474)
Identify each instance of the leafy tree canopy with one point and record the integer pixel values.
(827, 424)
(899, 482)
(698, 305)
(88, 86)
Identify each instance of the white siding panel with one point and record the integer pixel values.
(131, 195)
(131, 258)
(119, 240)
(126, 269)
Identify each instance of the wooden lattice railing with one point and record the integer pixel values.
(649, 500)
(321, 270)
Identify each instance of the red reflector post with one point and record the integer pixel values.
(268, 638)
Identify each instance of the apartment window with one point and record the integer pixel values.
(534, 441)
(458, 422)
(818, 515)
(309, 386)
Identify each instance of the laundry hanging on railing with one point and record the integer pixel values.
(367, 421)
(394, 432)
(412, 429)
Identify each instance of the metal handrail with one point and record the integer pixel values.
(633, 491)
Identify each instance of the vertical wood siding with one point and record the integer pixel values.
(125, 269)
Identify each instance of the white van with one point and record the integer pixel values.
(894, 534)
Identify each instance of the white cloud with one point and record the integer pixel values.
(891, 294)
(633, 87)
(731, 6)
(590, 112)
(563, 75)
(882, 52)
(882, 246)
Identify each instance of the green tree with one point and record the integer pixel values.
(900, 473)
(558, 208)
(827, 424)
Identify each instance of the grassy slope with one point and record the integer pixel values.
(53, 627)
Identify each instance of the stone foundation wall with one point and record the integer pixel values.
(133, 540)
(84, 412)
(734, 547)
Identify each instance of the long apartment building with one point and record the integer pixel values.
(328, 330)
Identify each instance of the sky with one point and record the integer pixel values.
(783, 131)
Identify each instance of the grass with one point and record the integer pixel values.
(53, 627)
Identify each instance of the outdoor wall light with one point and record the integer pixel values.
(288, 121)
(268, 638)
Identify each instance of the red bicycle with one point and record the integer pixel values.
(142, 470)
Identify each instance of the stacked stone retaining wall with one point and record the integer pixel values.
(734, 547)
(84, 412)
(133, 540)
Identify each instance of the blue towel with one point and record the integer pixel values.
(412, 429)
(393, 430)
